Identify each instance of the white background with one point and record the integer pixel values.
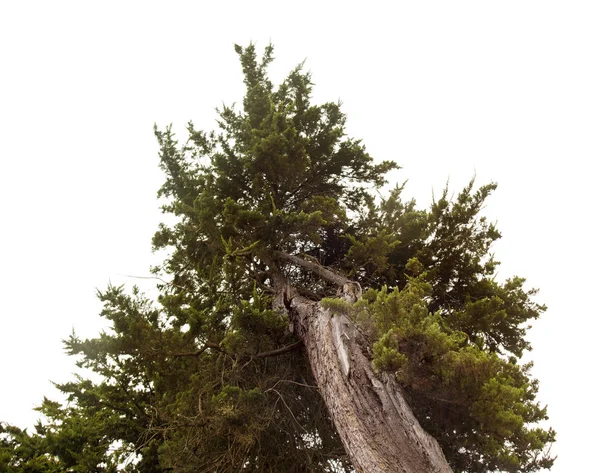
(507, 90)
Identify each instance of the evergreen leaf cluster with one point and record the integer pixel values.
(209, 378)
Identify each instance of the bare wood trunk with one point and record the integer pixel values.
(377, 427)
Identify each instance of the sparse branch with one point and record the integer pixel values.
(279, 351)
(199, 352)
(264, 354)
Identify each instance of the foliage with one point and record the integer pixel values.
(464, 393)
(21, 452)
(210, 377)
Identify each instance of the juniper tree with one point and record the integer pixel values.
(249, 362)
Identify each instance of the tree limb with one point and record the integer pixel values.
(199, 352)
(314, 267)
(264, 354)
(279, 351)
(376, 425)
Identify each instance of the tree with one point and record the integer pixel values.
(250, 362)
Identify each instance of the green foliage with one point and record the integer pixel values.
(24, 453)
(281, 174)
(207, 378)
(463, 393)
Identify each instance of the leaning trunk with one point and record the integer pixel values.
(377, 427)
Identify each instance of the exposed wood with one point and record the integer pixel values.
(314, 267)
(377, 427)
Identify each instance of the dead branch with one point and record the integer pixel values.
(279, 351)
(314, 267)
(264, 354)
(199, 352)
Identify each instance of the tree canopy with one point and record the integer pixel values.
(209, 378)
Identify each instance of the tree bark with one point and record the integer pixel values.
(377, 427)
(313, 267)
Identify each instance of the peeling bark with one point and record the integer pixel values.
(377, 427)
(313, 267)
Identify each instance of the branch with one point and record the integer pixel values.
(199, 352)
(279, 351)
(154, 277)
(264, 354)
(314, 267)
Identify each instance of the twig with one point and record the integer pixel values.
(279, 351)
(199, 352)
(264, 354)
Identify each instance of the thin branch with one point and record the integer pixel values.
(288, 408)
(294, 382)
(199, 352)
(155, 278)
(264, 354)
(279, 351)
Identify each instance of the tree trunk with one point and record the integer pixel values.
(377, 427)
